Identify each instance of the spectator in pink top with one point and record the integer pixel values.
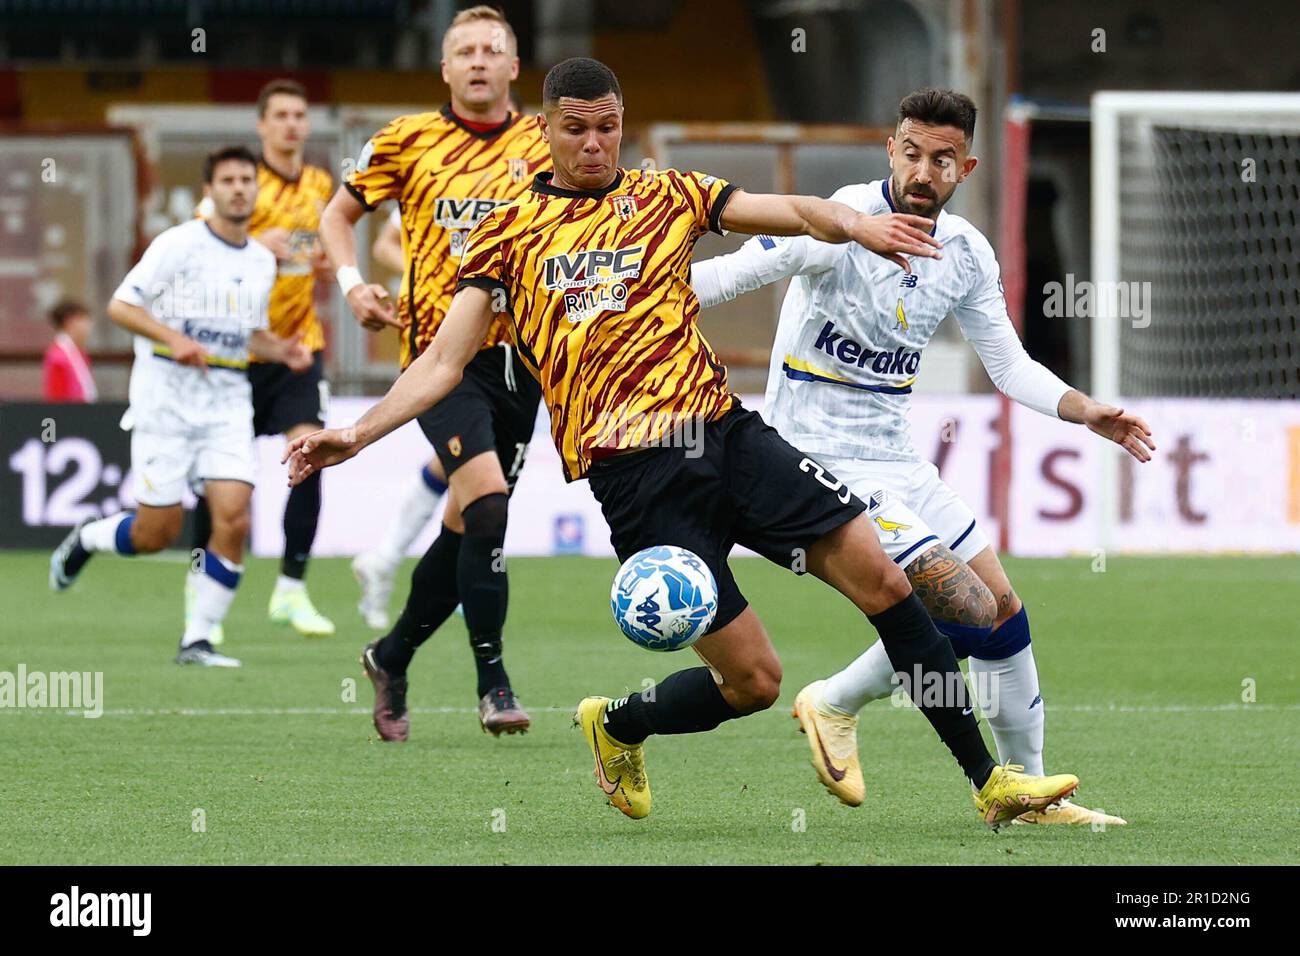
(66, 371)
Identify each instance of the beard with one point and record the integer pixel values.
(930, 210)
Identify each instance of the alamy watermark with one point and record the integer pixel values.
(58, 690)
(936, 689)
(1087, 300)
(229, 301)
(628, 430)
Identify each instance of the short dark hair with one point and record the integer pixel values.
(939, 108)
(66, 309)
(580, 78)
(292, 87)
(241, 153)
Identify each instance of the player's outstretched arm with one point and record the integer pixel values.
(893, 235)
(369, 301)
(136, 320)
(750, 267)
(429, 378)
(983, 320)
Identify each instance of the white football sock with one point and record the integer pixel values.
(101, 535)
(1015, 707)
(868, 678)
(283, 583)
(416, 508)
(212, 597)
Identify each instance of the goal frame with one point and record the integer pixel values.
(1109, 109)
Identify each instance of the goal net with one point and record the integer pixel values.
(1196, 254)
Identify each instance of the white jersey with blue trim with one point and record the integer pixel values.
(193, 281)
(853, 327)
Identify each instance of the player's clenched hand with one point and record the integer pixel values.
(320, 266)
(310, 453)
(1128, 431)
(185, 351)
(296, 355)
(372, 307)
(277, 240)
(895, 235)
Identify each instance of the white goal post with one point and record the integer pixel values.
(1195, 201)
(1178, 182)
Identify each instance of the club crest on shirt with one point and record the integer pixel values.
(454, 446)
(624, 207)
(518, 167)
(896, 528)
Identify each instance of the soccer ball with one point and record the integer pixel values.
(664, 598)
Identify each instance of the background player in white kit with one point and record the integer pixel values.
(847, 350)
(197, 303)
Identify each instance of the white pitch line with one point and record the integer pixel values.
(364, 711)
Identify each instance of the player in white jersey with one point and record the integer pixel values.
(848, 347)
(197, 303)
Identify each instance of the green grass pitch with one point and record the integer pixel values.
(1142, 667)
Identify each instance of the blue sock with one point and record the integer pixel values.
(122, 536)
(966, 639)
(1009, 639)
(217, 568)
(435, 485)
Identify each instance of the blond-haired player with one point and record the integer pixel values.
(447, 169)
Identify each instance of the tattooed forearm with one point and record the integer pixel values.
(950, 590)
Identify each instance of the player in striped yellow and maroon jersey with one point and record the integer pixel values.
(291, 195)
(288, 216)
(445, 173)
(589, 314)
(593, 271)
(447, 169)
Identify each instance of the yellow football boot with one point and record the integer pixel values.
(1009, 792)
(833, 738)
(620, 770)
(1071, 814)
(292, 606)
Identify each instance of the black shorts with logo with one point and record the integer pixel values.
(494, 408)
(283, 398)
(739, 483)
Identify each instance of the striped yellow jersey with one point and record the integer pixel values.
(294, 205)
(597, 288)
(445, 176)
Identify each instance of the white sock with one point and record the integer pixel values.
(416, 508)
(868, 678)
(101, 535)
(214, 589)
(283, 583)
(1015, 707)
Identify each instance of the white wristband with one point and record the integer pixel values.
(349, 278)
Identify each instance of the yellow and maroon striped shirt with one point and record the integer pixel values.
(445, 176)
(295, 205)
(597, 288)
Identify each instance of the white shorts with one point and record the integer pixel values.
(165, 463)
(910, 506)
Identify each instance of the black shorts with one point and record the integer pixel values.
(494, 408)
(283, 398)
(740, 483)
